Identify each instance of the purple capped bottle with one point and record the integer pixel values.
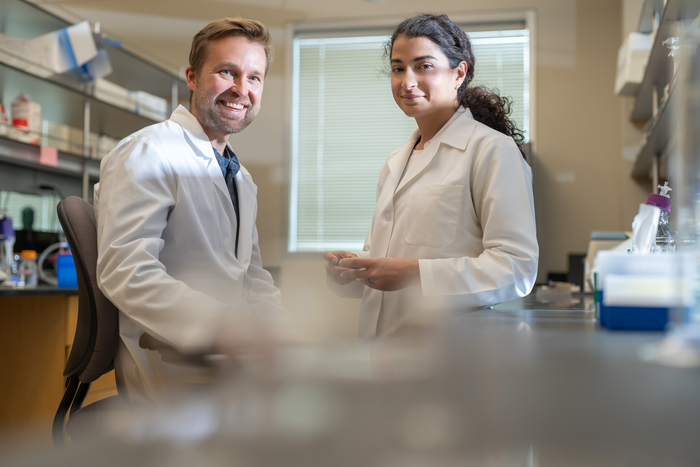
(666, 237)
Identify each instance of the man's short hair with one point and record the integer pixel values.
(251, 29)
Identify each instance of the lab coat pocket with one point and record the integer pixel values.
(433, 215)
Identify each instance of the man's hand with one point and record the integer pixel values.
(170, 354)
(236, 338)
(333, 270)
(385, 274)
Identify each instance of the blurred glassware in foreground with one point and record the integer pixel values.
(685, 165)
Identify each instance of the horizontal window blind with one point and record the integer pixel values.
(345, 123)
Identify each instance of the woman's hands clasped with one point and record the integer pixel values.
(387, 274)
(333, 269)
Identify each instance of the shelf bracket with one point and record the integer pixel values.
(86, 147)
(174, 96)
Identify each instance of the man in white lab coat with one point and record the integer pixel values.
(178, 247)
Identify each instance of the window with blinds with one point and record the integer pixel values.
(345, 123)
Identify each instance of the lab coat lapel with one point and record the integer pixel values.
(247, 192)
(381, 235)
(202, 144)
(397, 162)
(455, 133)
(418, 165)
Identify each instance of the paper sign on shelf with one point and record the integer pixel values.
(48, 156)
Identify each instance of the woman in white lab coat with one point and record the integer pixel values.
(454, 225)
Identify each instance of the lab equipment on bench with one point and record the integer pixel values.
(642, 292)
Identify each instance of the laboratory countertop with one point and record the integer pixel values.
(40, 290)
(529, 383)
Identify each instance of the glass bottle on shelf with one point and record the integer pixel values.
(28, 273)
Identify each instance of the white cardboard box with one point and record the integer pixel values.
(114, 94)
(150, 106)
(56, 135)
(632, 58)
(76, 141)
(63, 50)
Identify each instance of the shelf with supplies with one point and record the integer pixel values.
(655, 99)
(657, 136)
(18, 153)
(659, 68)
(31, 69)
(78, 113)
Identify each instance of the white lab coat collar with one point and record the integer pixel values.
(194, 130)
(201, 143)
(247, 190)
(456, 133)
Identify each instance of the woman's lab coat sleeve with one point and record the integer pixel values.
(501, 190)
(137, 192)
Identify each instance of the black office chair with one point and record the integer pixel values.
(96, 334)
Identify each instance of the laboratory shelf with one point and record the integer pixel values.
(34, 70)
(659, 69)
(132, 68)
(39, 290)
(657, 136)
(26, 155)
(646, 19)
(654, 106)
(127, 72)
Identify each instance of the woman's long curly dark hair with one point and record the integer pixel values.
(486, 106)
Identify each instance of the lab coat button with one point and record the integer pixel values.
(387, 216)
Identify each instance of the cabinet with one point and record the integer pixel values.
(67, 101)
(36, 334)
(654, 105)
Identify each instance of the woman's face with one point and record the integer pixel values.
(422, 82)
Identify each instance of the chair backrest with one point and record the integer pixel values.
(96, 334)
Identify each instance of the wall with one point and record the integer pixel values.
(582, 179)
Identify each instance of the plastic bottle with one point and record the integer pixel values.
(28, 274)
(66, 273)
(7, 244)
(26, 120)
(4, 121)
(666, 237)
